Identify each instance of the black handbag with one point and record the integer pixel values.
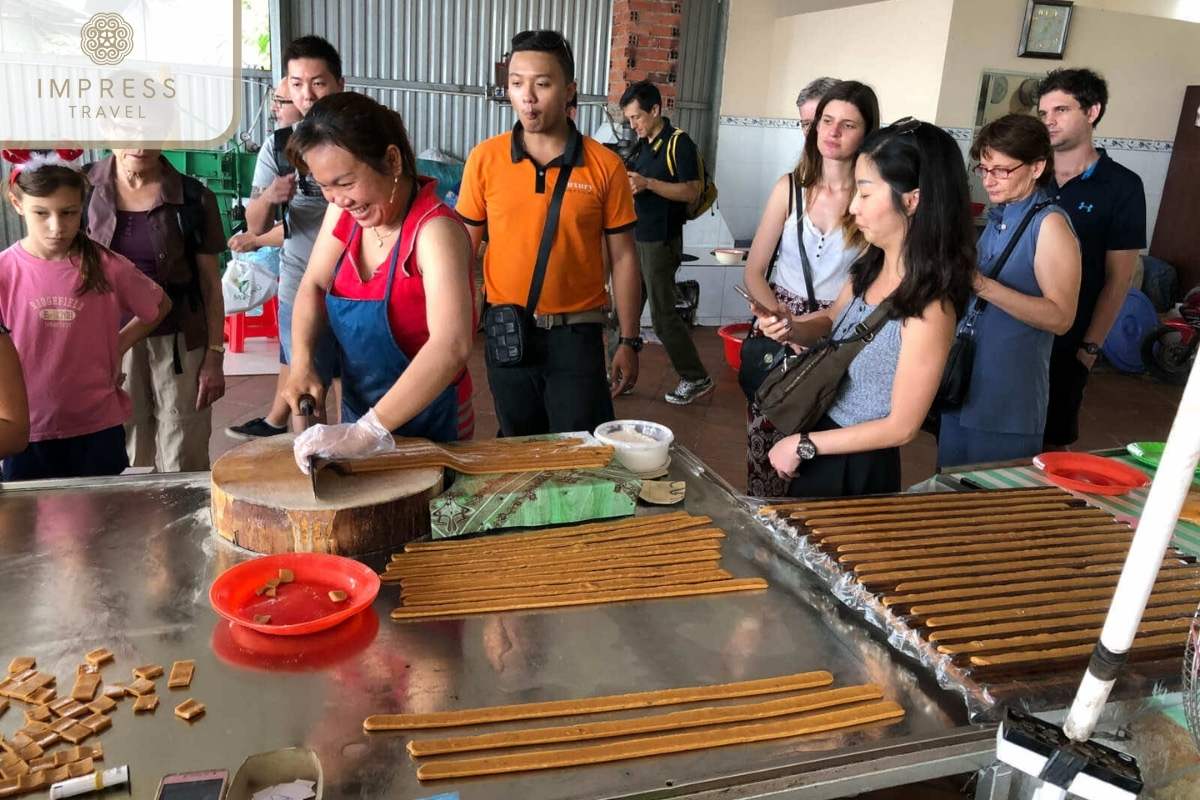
(760, 354)
(956, 377)
(801, 388)
(506, 326)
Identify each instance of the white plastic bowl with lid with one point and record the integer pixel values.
(640, 445)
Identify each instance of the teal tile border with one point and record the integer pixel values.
(962, 134)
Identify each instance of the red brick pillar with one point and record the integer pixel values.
(645, 46)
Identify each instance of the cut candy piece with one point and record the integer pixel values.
(85, 688)
(96, 722)
(145, 704)
(102, 705)
(189, 709)
(181, 674)
(20, 665)
(98, 657)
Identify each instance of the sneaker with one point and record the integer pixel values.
(690, 391)
(257, 428)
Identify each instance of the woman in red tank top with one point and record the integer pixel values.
(390, 273)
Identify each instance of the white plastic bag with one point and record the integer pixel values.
(247, 285)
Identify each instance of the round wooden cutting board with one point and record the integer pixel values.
(263, 502)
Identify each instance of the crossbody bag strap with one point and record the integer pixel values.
(808, 278)
(543, 256)
(865, 331)
(779, 244)
(980, 303)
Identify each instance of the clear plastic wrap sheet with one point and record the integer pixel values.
(1048, 692)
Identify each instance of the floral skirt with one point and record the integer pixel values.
(761, 436)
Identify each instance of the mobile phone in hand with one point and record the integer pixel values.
(754, 303)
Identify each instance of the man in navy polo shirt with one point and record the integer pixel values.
(661, 194)
(1107, 206)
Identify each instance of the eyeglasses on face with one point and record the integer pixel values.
(281, 101)
(1000, 173)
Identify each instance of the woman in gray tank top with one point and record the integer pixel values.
(912, 205)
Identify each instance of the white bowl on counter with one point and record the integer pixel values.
(729, 255)
(639, 445)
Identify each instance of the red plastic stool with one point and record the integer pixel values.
(239, 327)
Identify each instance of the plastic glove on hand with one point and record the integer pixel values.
(345, 442)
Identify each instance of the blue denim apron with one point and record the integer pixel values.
(372, 362)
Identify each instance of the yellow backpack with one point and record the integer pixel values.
(708, 190)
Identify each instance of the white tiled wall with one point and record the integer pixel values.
(749, 161)
(1152, 167)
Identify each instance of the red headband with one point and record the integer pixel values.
(34, 159)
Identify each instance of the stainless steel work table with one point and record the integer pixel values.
(127, 563)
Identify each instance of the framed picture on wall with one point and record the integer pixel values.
(1044, 31)
(1002, 92)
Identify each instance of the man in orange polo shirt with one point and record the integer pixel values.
(560, 384)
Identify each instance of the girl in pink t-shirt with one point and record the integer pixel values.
(64, 297)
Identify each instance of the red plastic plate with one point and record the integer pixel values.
(1083, 472)
(302, 606)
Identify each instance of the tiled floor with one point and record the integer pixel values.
(1118, 409)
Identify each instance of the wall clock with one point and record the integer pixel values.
(1044, 32)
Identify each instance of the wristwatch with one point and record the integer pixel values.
(217, 348)
(805, 448)
(636, 343)
(1091, 348)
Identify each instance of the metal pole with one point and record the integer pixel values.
(1171, 483)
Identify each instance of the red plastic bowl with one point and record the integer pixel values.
(1083, 472)
(734, 335)
(302, 606)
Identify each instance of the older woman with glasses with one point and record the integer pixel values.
(1021, 302)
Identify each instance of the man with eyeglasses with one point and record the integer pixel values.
(508, 182)
(284, 115)
(283, 110)
(1107, 207)
(314, 70)
(808, 99)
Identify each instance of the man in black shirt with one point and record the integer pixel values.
(663, 185)
(1107, 207)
